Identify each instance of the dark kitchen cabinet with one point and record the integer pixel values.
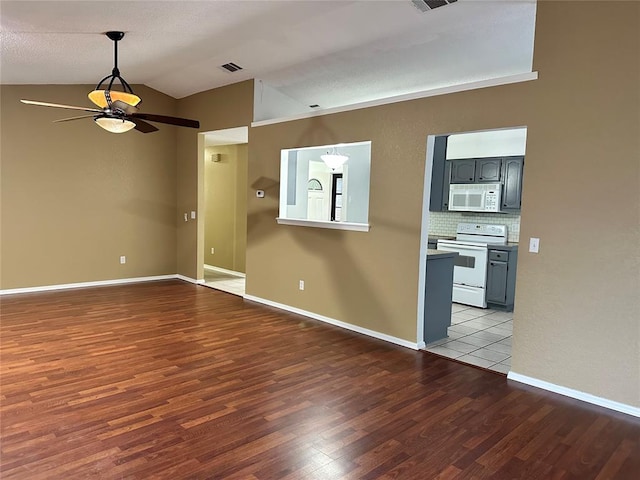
(501, 278)
(440, 172)
(507, 171)
(476, 170)
(488, 170)
(463, 171)
(512, 168)
(438, 295)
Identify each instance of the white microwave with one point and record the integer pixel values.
(474, 197)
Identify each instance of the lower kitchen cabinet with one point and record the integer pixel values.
(501, 278)
(438, 294)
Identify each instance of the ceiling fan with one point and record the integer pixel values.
(118, 112)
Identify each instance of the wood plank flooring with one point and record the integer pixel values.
(168, 380)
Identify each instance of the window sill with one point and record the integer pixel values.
(356, 227)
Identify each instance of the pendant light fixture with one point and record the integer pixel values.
(333, 159)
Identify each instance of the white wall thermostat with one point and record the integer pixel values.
(260, 193)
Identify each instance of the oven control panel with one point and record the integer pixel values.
(482, 229)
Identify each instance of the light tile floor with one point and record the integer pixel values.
(225, 282)
(478, 336)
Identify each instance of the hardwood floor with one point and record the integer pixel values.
(170, 380)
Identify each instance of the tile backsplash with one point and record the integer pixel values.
(445, 223)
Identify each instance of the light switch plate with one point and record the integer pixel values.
(534, 245)
(260, 193)
(193, 214)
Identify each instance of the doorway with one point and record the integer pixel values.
(479, 336)
(222, 235)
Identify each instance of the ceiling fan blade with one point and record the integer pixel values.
(124, 107)
(73, 118)
(181, 122)
(144, 127)
(58, 105)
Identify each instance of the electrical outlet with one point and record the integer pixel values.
(213, 250)
(301, 285)
(123, 260)
(534, 245)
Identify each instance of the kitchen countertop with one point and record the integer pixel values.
(441, 237)
(507, 247)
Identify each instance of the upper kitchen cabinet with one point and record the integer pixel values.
(512, 168)
(440, 173)
(488, 170)
(476, 170)
(463, 171)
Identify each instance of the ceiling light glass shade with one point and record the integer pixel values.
(115, 125)
(334, 160)
(99, 97)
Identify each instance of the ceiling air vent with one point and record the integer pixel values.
(231, 67)
(426, 5)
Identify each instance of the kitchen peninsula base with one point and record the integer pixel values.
(438, 294)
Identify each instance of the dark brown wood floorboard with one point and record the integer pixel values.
(170, 380)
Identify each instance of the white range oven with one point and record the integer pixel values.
(470, 268)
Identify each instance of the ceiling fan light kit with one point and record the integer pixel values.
(100, 97)
(118, 111)
(115, 125)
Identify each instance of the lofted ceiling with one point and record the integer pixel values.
(317, 52)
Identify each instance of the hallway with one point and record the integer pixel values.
(225, 282)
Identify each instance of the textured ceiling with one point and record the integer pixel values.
(330, 53)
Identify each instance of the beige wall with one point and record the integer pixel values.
(225, 107)
(75, 197)
(577, 303)
(225, 207)
(577, 322)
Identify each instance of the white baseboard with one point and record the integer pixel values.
(338, 323)
(211, 268)
(578, 395)
(99, 283)
(188, 279)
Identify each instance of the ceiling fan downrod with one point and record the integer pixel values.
(115, 36)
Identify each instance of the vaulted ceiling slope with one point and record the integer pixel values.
(329, 53)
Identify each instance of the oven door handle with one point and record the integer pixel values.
(456, 247)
